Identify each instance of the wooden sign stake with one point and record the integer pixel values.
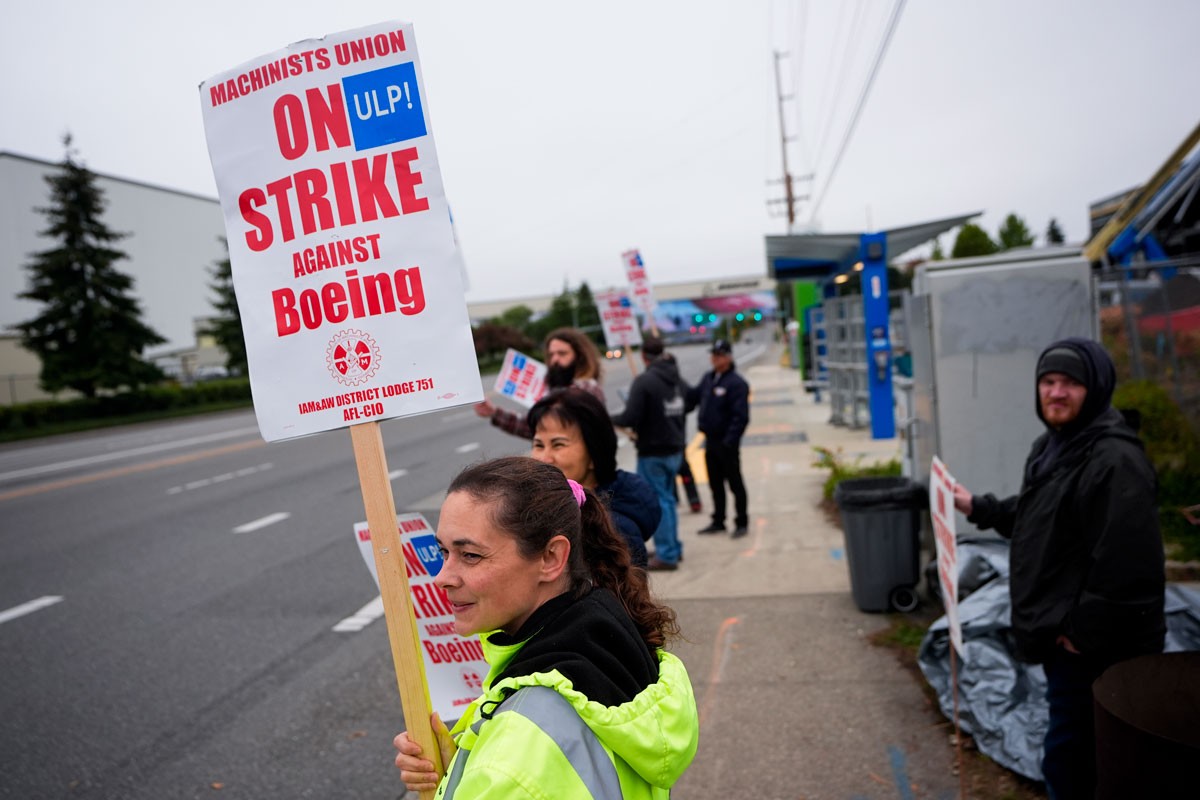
(393, 587)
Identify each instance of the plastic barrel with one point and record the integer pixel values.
(1148, 728)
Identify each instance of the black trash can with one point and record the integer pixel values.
(1148, 727)
(881, 521)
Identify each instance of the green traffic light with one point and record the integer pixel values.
(740, 316)
(758, 316)
(712, 317)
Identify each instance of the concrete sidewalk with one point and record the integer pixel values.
(794, 700)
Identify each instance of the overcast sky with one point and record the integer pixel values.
(568, 133)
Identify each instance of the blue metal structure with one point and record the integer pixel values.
(825, 256)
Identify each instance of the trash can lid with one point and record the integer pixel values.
(888, 492)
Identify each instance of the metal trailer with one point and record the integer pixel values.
(975, 328)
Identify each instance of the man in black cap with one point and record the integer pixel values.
(723, 398)
(1086, 565)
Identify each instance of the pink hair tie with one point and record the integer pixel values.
(577, 490)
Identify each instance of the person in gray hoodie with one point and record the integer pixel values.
(654, 412)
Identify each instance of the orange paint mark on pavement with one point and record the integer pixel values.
(133, 469)
(720, 652)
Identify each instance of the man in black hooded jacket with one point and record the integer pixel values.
(1086, 565)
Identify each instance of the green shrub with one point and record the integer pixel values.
(1173, 447)
(45, 417)
(839, 470)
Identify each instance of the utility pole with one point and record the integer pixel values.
(790, 197)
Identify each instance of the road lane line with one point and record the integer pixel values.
(458, 416)
(137, 451)
(466, 448)
(397, 473)
(133, 469)
(29, 608)
(269, 519)
(222, 478)
(361, 618)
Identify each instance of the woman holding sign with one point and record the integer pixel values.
(572, 431)
(574, 641)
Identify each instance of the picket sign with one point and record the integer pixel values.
(348, 276)
(398, 609)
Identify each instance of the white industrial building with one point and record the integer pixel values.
(173, 242)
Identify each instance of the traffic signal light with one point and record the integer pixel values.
(740, 316)
(698, 317)
(757, 315)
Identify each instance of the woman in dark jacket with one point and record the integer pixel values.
(572, 431)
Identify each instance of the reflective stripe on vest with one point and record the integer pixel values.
(559, 720)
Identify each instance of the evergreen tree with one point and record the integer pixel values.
(1054, 234)
(937, 254)
(587, 315)
(561, 314)
(1014, 233)
(88, 334)
(226, 326)
(972, 240)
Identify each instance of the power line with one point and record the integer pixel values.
(862, 98)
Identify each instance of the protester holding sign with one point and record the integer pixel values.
(1087, 576)
(572, 431)
(574, 641)
(572, 360)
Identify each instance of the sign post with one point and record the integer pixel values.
(941, 511)
(640, 290)
(618, 321)
(347, 274)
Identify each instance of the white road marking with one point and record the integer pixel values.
(137, 451)
(361, 618)
(225, 476)
(458, 416)
(29, 608)
(397, 473)
(466, 448)
(270, 519)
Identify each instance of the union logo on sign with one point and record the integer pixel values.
(352, 357)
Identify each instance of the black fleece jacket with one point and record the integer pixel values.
(591, 641)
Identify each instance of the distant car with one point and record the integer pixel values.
(616, 352)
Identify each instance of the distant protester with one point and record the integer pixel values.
(654, 412)
(571, 360)
(572, 431)
(581, 700)
(723, 398)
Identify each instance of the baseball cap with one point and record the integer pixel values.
(722, 347)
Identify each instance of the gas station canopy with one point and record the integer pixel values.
(818, 256)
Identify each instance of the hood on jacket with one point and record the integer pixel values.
(1099, 376)
(632, 497)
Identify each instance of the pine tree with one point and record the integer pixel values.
(972, 240)
(88, 334)
(1054, 234)
(226, 326)
(1014, 233)
(587, 314)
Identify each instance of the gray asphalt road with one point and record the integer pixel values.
(168, 594)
